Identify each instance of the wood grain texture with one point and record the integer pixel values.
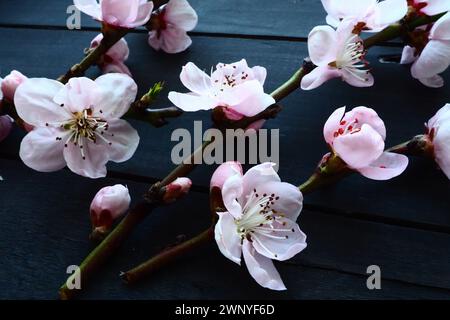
(287, 18)
(300, 123)
(47, 231)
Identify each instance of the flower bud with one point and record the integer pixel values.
(109, 204)
(223, 172)
(10, 84)
(177, 189)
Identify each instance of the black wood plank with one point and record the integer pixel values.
(289, 18)
(45, 224)
(48, 53)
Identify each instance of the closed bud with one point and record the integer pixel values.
(176, 189)
(109, 204)
(10, 83)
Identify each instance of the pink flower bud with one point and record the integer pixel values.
(5, 126)
(223, 172)
(177, 189)
(10, 84)
(109, 204)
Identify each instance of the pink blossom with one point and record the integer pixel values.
(177, 189)
(369, 14)
(439, 135)
(357, 137)
(433, 57)
(114, 59)
(119, 13)
(10, 84)
(234, 87)
(109, 204)
(430, 7)
(337, 54)
(170, 24)
(260, 220)
(77, 124)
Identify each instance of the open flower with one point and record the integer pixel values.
(234, 87)
(77, 124)
(439, 135)
(431, 55)
(371, 15)
(170, 24)
(429, 7)
(357, 137)
(114, 59)
(337, 54)
(10, 84)
(119, 13)
(260, 220)
(109, 204)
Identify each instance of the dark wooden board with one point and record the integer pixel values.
(287, 18)
(300, 123)
(45, 226)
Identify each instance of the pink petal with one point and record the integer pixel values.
(332, 124)
(227, 238)
(251, 96)
(441, 29)
(195, 79)
(171, 40)
(225, 171)
(116, 67)
(435, 81)
(190, 103)
(94, 164)
(143, 15)
(408, 55)
(390, 11)
(318, 76)
(119, 12)
(359, 149)
(441, 115)
(89, 7)
(124, 140)
(356, 81)
(280, 248)
(118, 92)
(290, 199)
(181, 14)
(442, 147)
(260, 74)
(231, 191)
(387, 166)
(368, 116)
(261, 268)
(434, 59)
(435, 7)
(322, 45)
(34, 102)
(79, 94)
(6, 124)
(257, 176)
(41, 151)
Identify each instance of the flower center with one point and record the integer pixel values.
(347, 127)
(351, 58)
(260, 220)
(230, 77)
(83, 125)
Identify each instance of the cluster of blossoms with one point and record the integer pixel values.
(79, 124)
(338, 51)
